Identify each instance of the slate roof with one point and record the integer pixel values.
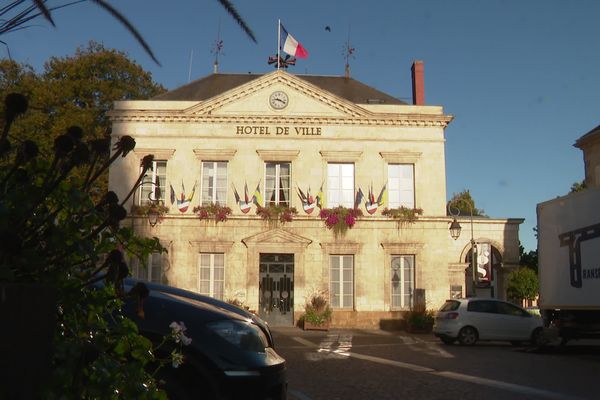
(215, 84)
(594, 133)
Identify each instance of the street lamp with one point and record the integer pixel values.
(153, 214)
(455, 230)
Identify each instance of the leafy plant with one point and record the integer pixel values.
(54, 235)
(213, 211)
(18, 15)
(403, 214)
(340, 219)
(274, 213)
(317, 310)
(419, 320)
(464, 204)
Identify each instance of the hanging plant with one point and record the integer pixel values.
(340, 219)
(274, 213)
(403, 215)
(213, 211)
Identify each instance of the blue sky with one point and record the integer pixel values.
(520, 77)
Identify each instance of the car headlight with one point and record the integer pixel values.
(244, 335)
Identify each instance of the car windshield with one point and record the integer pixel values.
(450, 305)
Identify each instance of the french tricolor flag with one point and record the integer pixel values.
(291, 46)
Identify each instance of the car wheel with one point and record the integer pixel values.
(468, 336)
(447, 340)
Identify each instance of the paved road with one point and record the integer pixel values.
(363, 364)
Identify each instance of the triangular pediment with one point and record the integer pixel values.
(277, 236)
(253, 99)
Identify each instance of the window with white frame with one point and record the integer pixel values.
(402, 281)
(342, 281)
(155, 178)
(278, 176)
(214, 182)
(401, 185)
(340, 185)
(211, 274)
(152, 271)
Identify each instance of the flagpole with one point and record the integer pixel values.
(278, 41)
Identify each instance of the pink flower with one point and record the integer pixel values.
(324, 213)
(332, 219)
(350, 220)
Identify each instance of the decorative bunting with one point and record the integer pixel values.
(184, 202)
(371, 205)
(308, 201)
(245, 204)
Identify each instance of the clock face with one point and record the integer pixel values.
(278, 100)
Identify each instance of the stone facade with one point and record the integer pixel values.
(311, 133)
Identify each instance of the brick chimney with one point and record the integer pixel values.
(418, 83)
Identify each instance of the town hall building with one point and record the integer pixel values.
(363, 171)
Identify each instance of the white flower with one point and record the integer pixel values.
(177, 326)
(185, 340)
(178, 331)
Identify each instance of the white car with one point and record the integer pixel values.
(473, 319)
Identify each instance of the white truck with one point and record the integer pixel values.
(569, 264)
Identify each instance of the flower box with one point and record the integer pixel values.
(309, 326)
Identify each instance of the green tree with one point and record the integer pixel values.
(578, 186)
(522, 284)
(464, 203)
(529, 259)
(75, 90)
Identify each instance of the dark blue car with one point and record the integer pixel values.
(231, 355)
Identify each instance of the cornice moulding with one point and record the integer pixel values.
(400, 120)
(400, 157)
(340, 156)
(214, 154)
(159, 154)
(278, 155)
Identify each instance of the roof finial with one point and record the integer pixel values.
(348, 53)
(217, 49)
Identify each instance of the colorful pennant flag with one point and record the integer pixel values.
(257, 199)
(359, 198)
(321, 203)
(172, 194)
(382, 198)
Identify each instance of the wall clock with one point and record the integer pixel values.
(278, 100)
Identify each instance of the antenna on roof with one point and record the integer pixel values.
(190, 68)
(348, 53)
(217, 49)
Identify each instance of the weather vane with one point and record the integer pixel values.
(217, 49)
(348, 53)
(284, 62)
